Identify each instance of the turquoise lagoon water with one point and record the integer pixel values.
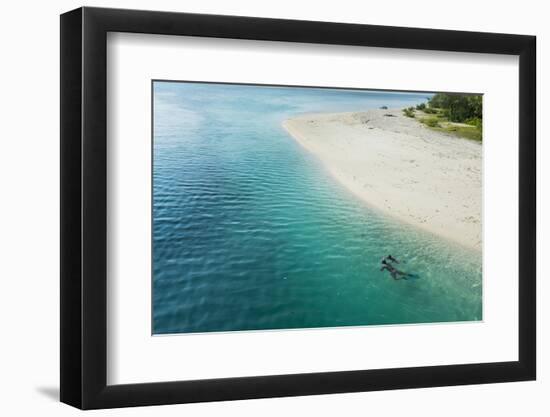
(251, 232)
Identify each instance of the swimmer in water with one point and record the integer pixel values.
(394, 272)
(389, 258)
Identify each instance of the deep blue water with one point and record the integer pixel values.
(251, 232)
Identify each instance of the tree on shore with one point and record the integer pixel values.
(463, 108)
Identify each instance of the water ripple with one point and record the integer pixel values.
(251, 232)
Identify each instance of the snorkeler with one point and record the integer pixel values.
(394, 272)
(389, 258)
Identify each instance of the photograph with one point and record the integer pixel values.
(299, 207)
(275, 209)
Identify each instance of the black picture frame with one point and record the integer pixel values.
(84, 207)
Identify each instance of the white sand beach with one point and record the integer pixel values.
(426, 178)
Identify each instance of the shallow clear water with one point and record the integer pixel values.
(251, 232)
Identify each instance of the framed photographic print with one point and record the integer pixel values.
(257, 208)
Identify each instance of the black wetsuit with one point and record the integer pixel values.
(394, 272)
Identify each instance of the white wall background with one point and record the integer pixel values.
(29, 237)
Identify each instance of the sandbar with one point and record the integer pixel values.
(395, 164)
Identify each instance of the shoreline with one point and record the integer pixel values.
(395, 164)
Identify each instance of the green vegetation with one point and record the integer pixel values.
(458, 107)
(459, 114)
(431, 121)
(474, 121)
(461, 130)
(468, 132)
(409, 112)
